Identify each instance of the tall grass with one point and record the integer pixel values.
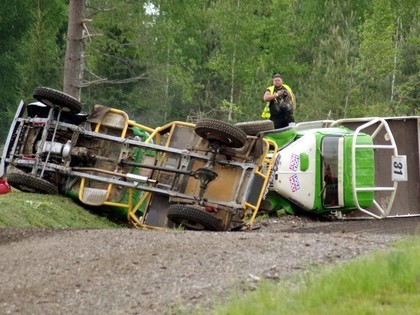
(19, 209)
(384, 283)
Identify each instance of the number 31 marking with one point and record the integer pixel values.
(399, 168)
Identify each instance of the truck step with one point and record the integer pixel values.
(94, 196)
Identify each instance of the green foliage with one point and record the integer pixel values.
(14, 24)
(333, 80)
(386, 282)
(376, 48)
(163, 60)
(44, 47)
(19, 209)
(408, 89)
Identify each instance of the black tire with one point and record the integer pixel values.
(29, 183)
(214, 130)
(53, 97)
(193, 219)
(253, 127)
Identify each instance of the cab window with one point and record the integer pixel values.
(329, 171)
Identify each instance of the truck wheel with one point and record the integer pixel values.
(52, 97)
(253, 127)
(29, 183)
(193, 219)
(214, 130)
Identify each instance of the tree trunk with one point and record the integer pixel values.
(73, 64)
(397, 37)
(233, 65)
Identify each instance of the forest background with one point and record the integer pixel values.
(164, 60)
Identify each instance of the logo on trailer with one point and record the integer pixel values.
(294, 183)
(294, 162)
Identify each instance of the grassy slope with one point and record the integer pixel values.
(19, 209)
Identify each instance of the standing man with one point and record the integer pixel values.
(280, 103)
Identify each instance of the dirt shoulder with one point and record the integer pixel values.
(127, 271)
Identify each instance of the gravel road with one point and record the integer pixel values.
(128, 271)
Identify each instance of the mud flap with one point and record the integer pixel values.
(157, 211)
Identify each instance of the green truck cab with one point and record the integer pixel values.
(332, 168)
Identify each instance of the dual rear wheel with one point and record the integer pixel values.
(219, 133)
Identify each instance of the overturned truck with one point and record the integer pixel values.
(210, 175)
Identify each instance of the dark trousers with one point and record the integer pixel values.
(280, 121)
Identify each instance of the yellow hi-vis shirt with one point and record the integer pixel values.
(266, 112)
